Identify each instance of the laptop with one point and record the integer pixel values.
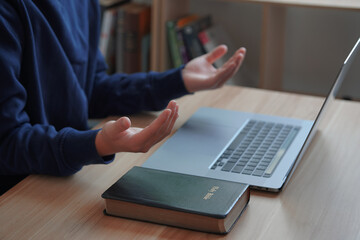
(260, 150)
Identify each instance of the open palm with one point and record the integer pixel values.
(200, 74)
(119, 136)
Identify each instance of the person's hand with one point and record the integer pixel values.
(200, 74)
(119, 136)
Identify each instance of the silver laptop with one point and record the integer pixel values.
(260, 150)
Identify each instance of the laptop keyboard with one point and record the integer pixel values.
(257, 149)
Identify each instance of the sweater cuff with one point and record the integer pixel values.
(79, 149)
(169, 84)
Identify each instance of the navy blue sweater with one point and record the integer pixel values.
(53, 78)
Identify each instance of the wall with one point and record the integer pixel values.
(316, 43)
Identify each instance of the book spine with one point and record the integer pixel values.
(104, 4)
(144, 38)
(190, 35)
(173, 43)
(111, 49)
(136, 26)
(192, 43)
(183, 52)
(208, 43)
(107, 39)
(145, 53)
(105, 32)
(120, 40)
(130, 44)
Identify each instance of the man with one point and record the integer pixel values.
(53, 78)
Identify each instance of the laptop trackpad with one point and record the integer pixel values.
(197, 143)
(201, 138)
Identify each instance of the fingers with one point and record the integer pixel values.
(122, 124)
(216, 53)
(174, 116)
(167, 125)
(226, 71)
(161, 126)
(236, 58)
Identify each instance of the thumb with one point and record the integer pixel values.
(122, 124)
(103, 140)
(118, 126)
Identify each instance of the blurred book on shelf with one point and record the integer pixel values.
(107, 38)
(125, 37)
(111, 3)
(107, 4)
(182, 38)
(190, 35)
(176, 44)
(215, 36)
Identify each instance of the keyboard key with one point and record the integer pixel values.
(247, 172)
(228, 166)
(242, 164)
(258, 173)
(260, 167)
(252, 164)
(250, 168)
(237, 169)
(233, 160)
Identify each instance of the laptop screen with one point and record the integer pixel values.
(344, 70)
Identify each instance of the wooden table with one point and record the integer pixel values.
(321, 200)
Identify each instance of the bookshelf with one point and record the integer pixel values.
(272, 34)
(163, 11)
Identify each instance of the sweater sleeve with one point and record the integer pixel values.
(120, 94)
(27, 147)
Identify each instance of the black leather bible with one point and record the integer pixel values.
(175, 199)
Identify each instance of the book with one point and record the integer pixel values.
(111, 3)
(145, 53)
(107, 4)
(108, 32)
(107, 38)
(120, 41)
(190, 35)
(136, 26)
(175, 199)
(173, 44)
(175, 40)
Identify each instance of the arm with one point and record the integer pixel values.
(130, 93)
(28, 144)
(198, 74)
(123, 94)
